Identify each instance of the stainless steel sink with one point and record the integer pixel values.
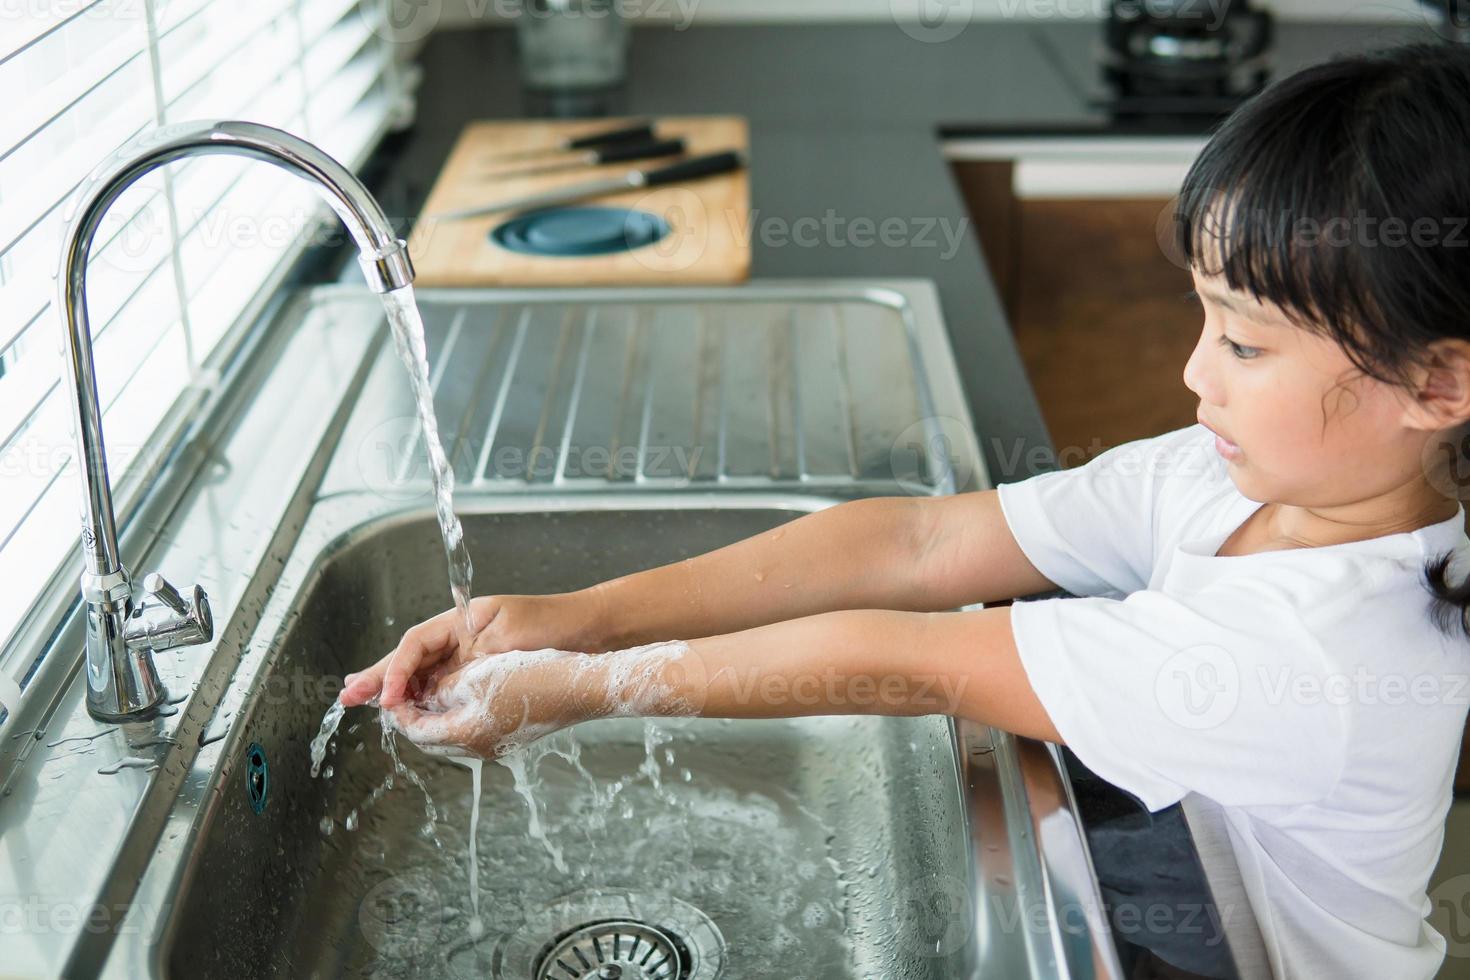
(824, 848)
(593, 432)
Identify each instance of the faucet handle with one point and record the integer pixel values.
(192, 621)
(160, 589)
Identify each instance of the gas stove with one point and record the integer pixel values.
(1181, 57)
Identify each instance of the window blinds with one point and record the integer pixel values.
(185, 252)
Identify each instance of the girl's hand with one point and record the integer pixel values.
(435, 647)
(495, 704)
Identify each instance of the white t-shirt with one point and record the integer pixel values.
(1306, 693)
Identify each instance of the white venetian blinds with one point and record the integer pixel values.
(186, 250)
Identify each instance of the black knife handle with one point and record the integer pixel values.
(638, 151)
(705, 166)
(623, 134)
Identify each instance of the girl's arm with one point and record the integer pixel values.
(917, 554)
(870, 662)
(920, 554)
(855, 662)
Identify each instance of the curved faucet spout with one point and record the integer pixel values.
(122, 683)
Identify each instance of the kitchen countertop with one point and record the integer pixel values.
(846, 124)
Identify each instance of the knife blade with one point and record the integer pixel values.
(694, 167)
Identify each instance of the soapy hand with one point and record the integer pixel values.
(498, 703)
(436, 647)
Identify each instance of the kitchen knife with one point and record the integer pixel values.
(701, 166)
(634, 133)
(611, 153)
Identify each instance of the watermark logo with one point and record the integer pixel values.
(402, 21)
(928, 451)
(937, 917)
(932, 21)
(1450, 914)
(1446, 464)
(401, 915)
(392, 461)
(688, 221)
(1199, 687)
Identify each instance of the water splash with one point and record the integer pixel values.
(476, 766)
(390, 746)
(330, 721)
(129, 762)
(520, 771)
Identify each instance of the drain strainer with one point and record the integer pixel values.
(618, 949)
(613, 934)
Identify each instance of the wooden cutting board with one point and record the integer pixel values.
(709, 217)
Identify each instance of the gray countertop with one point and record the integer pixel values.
(843, 136)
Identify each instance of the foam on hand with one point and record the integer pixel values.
(622, 683)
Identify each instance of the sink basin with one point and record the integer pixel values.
(593, 432)
(822, 848)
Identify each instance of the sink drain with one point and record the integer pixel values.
(618, 949)
(613, 934)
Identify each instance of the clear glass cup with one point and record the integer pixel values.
(569, 45)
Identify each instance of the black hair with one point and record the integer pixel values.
(1341, 194)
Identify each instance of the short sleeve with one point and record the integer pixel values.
(1092, 529)
(1220, 694)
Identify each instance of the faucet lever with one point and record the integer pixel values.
(192, 621)
(160, 589)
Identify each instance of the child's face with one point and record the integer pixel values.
(1308, 429)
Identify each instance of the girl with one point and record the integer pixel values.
(1268, 612)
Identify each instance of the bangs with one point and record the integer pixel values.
(1291, 202)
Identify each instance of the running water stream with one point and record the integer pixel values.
(408, 339)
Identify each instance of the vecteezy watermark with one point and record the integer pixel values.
(930, 452)
(833, 230)
(687, 237)
(1446, 463)
(392, 462)
(1019, 458)
(1360, 230)
(910, 693)
(401, 916)
(936, 916)
(60, 11)
(932, 21)
(38, 459)
(137, 243)
(1202, 686)
(691, 230)
(1363, 230)
(299, 686)
(402, 21)
(1198, 687)
(1450, 914)
(409, 21)
(1129, 461)
(37, 915)
(1283, 684)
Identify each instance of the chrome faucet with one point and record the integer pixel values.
(122, 681)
